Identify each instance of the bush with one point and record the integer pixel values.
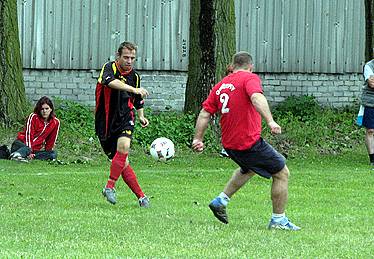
(176, 126)
(77, 139)
(306, 129)
(302, 108)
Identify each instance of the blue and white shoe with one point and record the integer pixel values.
(284, 224)
(219, 210)
(110, 195)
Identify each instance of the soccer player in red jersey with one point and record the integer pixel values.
(239, 100)
(118, 95)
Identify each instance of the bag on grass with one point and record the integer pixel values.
(360, 115)
(4, 152)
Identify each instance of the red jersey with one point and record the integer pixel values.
(38, 133)
(240, 122)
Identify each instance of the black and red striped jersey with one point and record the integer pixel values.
(115, 109)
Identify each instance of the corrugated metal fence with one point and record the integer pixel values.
(321, 36)
(71, 34)
(324, 36)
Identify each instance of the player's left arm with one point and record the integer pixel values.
(143, 120)
(261, 104)
(50, 140)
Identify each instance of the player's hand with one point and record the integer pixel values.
(144, 122)
(274, 127)
(197, 145)
(31, 156)
(141, 91)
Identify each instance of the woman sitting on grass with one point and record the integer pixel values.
(41, 130)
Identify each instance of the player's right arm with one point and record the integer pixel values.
(119, 85)
(107, 77)
(201, 125)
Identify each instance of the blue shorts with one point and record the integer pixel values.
(368, 119)
(261, 158)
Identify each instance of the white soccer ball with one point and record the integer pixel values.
(162, 149)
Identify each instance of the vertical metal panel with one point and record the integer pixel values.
(282, 35)
(302, 35)
(70, 34)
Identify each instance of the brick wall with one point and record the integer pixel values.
(336, 90)
(167, 88)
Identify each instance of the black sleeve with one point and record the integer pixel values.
(139, 101)
(106, 74)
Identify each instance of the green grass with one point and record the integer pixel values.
(57, 211)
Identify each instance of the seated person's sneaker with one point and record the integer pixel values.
(223, 153)
(15, 156)
(283, 224)
(219, 210)
(110, 195)
(144, 202)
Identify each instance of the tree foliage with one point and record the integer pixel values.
(13, 104)
(212, 44)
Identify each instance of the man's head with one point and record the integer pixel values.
(126, 55)
(242, 60)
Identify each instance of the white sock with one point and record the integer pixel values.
(224, 198)
(278, 217)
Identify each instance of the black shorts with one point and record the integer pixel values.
(110, 145)
(368, 118)
(261, 158)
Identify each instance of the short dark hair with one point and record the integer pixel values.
(127, 45)
(241, 59)
(39, 104)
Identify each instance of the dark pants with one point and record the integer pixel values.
(25, 151)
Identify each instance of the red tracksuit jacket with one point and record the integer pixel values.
(38, 133)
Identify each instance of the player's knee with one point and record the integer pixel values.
(282, 174)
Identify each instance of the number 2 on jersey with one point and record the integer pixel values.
(224, 99)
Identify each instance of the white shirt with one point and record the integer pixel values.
(368, 72)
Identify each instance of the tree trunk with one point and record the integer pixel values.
(369, 16)
(212, 44)
(13, 104)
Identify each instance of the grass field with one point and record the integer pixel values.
(54, 211)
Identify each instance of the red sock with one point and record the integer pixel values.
(130, 179)
(118, 163)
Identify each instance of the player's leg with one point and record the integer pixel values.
(218, 205)
(368, 123)
(369, 143)
(19, 151)
(128, 174)
(279, 198)
(118, 160)
(237, 180)
(46, 155)
(279, 191)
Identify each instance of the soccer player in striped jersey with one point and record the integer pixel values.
(118, 97)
